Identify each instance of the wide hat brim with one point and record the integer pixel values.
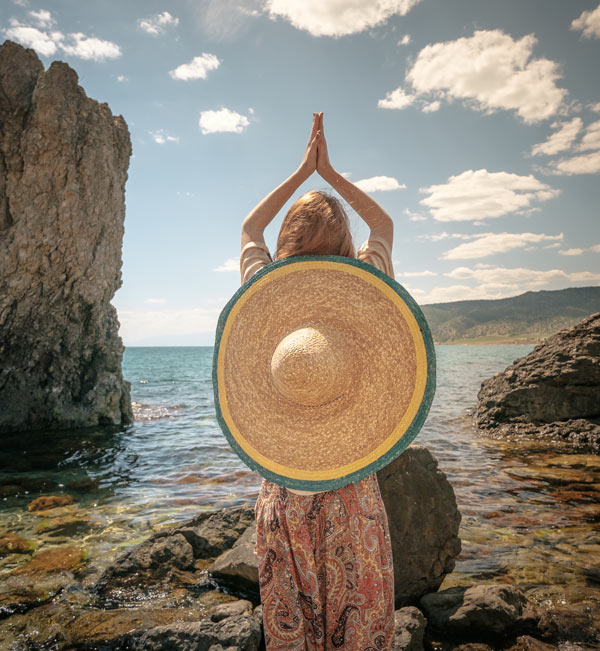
(393, 375)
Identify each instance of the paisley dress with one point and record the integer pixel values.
(325, 566)
(326, 573)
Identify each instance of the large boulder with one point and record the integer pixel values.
(423, 520)
(178, 557)
(552, 393)
(485, 612)
(63, 168)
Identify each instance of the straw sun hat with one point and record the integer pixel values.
(323, 371)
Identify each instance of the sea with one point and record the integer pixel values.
(530, 510)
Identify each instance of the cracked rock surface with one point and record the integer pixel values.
(551, 393)
(63, 167)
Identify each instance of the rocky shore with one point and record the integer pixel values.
(553, 393)
(194, 586)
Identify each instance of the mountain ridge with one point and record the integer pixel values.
(526, 318)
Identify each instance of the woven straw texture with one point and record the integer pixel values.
(384, 380)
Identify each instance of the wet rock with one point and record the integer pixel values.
(239, 607)
(86, 485)
(40, 579)
(237, 632)
(423, 520)
(559, 623)
(63, 168)
(20, 593)
(67, 526)
(43, 627)
(409, 627)
(528, 643)
(239, 564)
(155, 560)
(480, 612)
(44, 502)
(16, 485)
(210, 534)
(57, 511)
(12, 543)
(65, 557)
(552, 393)
(172, 556)
(119, 628)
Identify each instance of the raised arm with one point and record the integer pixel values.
(378, 220)
(253, 227)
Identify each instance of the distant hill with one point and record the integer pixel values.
(527, 318)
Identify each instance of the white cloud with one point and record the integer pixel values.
(478, 195)
(486, 244)
(122, 78)
(588, 163)
(47, 43)
(432, 107)
(90, 48)
(450, 293)
(161, 137)
(414, 216)
(155, 300)
(197, 68)
(588, 23)
(510, 278)
(579, 251)
(405, 40)
(416, 274)
(42, 42)
(594, 107)
(591, 138)
(489, 71)
(158, 23)
(222, 121)
(584, 164)
(336, 18)
(485, 281)
(397, 99)
(560, 140)
(436, 237)
(232, 264)
(585, 277)
(43, 18)
(379, 183)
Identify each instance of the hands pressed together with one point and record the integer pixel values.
(316, 157)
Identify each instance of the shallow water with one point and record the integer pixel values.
(531, 512)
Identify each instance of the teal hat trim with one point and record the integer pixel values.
(410, 433)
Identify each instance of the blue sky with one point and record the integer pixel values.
(476, 125)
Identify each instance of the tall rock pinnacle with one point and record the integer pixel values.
(63, 168)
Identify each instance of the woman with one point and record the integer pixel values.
(325, 558)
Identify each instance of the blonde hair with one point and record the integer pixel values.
(315, 224)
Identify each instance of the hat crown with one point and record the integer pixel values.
(312, 365)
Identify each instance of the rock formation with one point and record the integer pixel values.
(424, 522)
(553, 392)
(63, 168)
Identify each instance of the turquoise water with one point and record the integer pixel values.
(174, 460)
(530, 512)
